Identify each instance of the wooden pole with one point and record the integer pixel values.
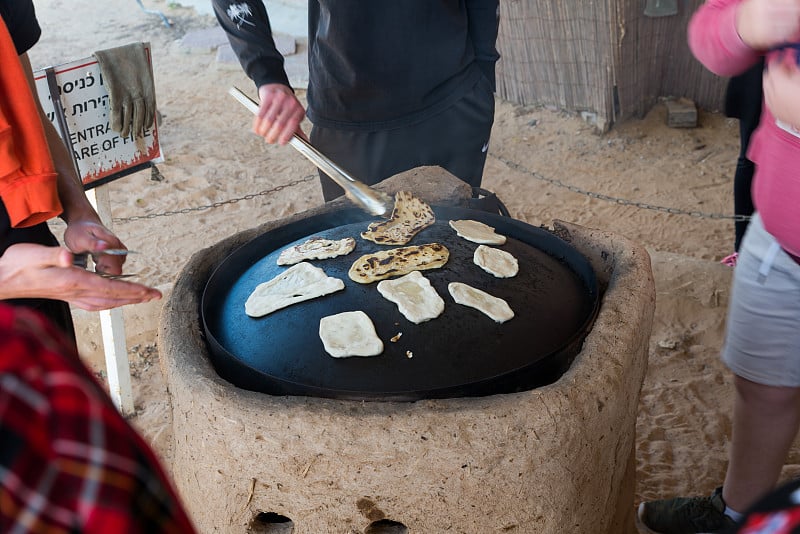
(112, 326)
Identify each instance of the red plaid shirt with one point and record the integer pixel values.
(777, 513)
(69, 462)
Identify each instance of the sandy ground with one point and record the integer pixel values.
(543, 163)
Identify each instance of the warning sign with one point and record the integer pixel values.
(98, 151)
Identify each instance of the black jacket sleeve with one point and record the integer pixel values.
(484, 21)
(250, 35)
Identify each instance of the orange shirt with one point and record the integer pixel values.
(28, 185)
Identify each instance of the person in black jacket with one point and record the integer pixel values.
(743, 100)
(392, 85)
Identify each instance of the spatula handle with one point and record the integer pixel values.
(373, 201)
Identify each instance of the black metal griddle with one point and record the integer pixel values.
(460, 353)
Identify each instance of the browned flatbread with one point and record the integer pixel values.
(397, 262)
(409, 216)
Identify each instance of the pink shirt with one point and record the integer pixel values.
(774, 149)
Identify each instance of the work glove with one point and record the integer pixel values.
(129, 81)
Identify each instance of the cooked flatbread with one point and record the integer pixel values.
(349, 334)
(397, 262)
(316, 248)
(494, 307)
(409, 216)
(296, 284)
(477, 232)
(496, 262)
(414, 295)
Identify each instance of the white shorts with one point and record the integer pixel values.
(762, 338)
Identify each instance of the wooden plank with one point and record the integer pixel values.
(113, 326)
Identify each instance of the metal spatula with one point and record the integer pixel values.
(374, 202)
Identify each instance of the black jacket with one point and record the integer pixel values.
(374, 64)
(20, 19)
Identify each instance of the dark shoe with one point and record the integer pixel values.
(684, 515)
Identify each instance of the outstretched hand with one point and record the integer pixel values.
(37, 271)
(279, 114)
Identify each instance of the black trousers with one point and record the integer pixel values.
(743, 100)
(456, 139)
(743, 183)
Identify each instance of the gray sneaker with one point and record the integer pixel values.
(686, 515)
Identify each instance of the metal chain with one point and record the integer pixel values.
(215, 204)
(617, 200)
(511, 164)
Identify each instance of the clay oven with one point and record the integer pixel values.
(555, 459)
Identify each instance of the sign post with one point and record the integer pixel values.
(76, 100)
(112, 326)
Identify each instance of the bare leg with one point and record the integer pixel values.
(765, 421)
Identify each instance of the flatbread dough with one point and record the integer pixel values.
(296, 284)
(496, 262)
(414, 295)
(477, 232)
(316, 248)
(397, 262)
(409, 216)
(349, 334)
(494, 307)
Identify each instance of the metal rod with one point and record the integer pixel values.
(373, 201)
(61, 119)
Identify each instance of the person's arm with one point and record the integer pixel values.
(247, 25)
(37, 271)
(249, 32)
(85, 231)
(484, 21)
(715, 42)
(765, 24)
(729, 36)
